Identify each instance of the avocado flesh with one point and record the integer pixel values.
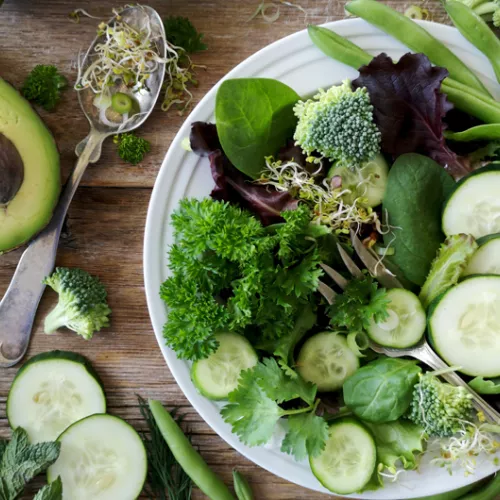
(30, 179)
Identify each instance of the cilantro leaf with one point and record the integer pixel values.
(279, 386)
(181, 33)
(252, 414)
(360, 301)
(307, 435)
(52, 491)
(22, 461)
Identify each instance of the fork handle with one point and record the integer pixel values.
(425, 354)
(20, 302)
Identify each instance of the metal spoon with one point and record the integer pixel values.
(19, 304)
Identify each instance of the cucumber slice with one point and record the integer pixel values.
(216, 376)
(326, 360)
(464, 326)
(406, 323)
(486, 259)
(52, 391)
(474, 206)
(348, 460)
(102, 458)
(368, 182)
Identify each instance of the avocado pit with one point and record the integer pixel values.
(11, 170)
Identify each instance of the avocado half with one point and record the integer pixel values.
(30, 177)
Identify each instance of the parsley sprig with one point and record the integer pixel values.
(231, 273)
(361, 301)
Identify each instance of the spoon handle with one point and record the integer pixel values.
(425, 354)
(19, 304)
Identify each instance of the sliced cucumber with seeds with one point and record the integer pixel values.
(102, 458)
(486, 259)
(368, 181)
(348, 461)
(405, 324)
(216, 376)
(464, 326)
(326, 360)
(52, 391)
(474, 206)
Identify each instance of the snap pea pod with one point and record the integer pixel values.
(241, 486)
(489, 132)
(474, 29)
(189, 459)
(465, 98)
(490, 491)
(329, 42)
(414, 37)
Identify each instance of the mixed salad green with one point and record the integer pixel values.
(268, 295)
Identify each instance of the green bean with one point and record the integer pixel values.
(488, 132)
(415, 37)
(465, 98)
(474, 29)
(328, 41)
(189, 459)
(480, 106)
(241, 487)
(490, 491)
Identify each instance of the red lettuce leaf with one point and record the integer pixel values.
(409, 108)
(232, 185)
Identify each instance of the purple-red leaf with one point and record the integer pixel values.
(232, 185)
(409, 108)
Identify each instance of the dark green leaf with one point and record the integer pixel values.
(254, 119)
(52, 491)
(381, 391)
(181, 33)
(416, 190)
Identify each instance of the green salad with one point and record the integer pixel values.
(366, 215)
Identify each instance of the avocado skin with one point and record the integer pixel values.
(32, 203)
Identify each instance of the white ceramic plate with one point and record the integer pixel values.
(297, 62)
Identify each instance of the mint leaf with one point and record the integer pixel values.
(22, 461)
(250, 411)
(52, 491)
(307, 435)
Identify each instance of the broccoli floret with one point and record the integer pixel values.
(451, 260)
(440, 408)
(43, 86)
(131, 148)
(82, 305)
(339, 125)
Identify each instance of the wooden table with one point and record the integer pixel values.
(107, 217)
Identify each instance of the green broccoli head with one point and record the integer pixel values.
(440, 408)
(43, 86)
(82, 305)
(339, 125)
(131, 148)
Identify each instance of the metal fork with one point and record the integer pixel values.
(421, 351)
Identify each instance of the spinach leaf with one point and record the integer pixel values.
(416, 190)
(254, 118)
(381, 391)
(488, 386)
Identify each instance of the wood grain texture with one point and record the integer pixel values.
(106, 219)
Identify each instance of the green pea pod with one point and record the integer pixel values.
(489, 132)
(337, 47)
(472, 101)
(416, 38)
(474, 28)
(189, 459)
(490, 491)
(241, 486)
